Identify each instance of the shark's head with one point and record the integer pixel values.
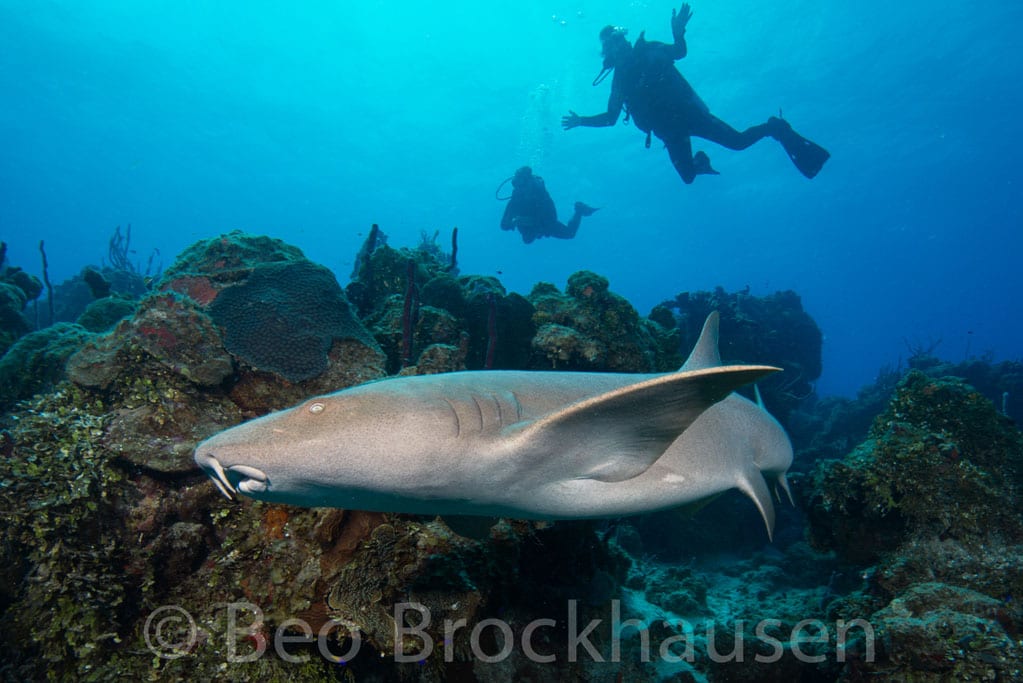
(257, 458)
(320, 452)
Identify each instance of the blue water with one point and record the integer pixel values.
(310, 121)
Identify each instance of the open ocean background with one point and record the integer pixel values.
(309, 121)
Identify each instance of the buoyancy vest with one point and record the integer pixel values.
(657, 97)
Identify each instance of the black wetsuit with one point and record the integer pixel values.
(660, 101)
(531, 210)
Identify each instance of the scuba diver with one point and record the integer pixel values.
(531, 209)
(660, 100)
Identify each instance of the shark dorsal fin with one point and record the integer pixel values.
(636, 423)
(705, 354)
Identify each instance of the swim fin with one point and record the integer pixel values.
(701, 164)
(585, 210)
(807, 155)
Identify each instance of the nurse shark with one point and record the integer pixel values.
(521, 444)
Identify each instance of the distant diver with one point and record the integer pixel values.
(660, 100)
(531, 210)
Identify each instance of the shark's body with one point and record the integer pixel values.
(535, 445)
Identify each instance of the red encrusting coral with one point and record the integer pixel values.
(197, 287)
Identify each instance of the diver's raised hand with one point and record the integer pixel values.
(571, 121)
(680, 19)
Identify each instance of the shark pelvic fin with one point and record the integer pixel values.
(753, 485)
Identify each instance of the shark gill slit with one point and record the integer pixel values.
(500, 411)
(479, 411)
(458, 421)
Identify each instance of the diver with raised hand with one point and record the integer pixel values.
(531, 210)
(660, 101)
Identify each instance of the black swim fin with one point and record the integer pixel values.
(701, 164)
(807, 155)
(585, 210)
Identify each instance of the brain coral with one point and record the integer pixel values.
(284, 318)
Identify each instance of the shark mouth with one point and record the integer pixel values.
(249, 479)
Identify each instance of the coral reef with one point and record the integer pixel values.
(102, 314)
(13, 324)
(166, 328)
(36, 362)
(17, 288)
(833, 426)
(591, 328)
(1002, 382)
(111, 541)
(285, 317)
(940, 462)
(750, 617)
(105, 465)
(228, 258)
(122, 524)
(64, 589)
(74, 296)
(934, 631)
(109, 529)
(412, 301)
(499, 324)
(280, 313)
(932, 500)
(117, 282)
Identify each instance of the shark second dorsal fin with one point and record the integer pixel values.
(634, 424)
(706, 354)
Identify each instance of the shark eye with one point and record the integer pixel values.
(316, 408)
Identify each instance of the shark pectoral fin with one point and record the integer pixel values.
(753, 485)
(619, 434)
